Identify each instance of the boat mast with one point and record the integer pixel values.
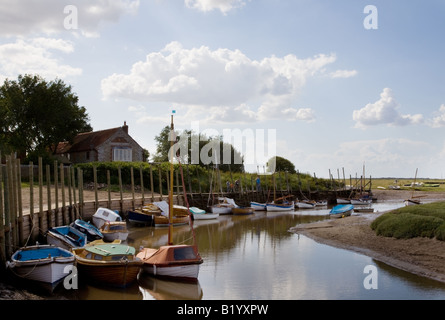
(170, 195)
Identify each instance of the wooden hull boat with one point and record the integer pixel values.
(162, 221)
(66, 237)
(103, 215)
(341, 211)
(243, 211)
(139, 216)
(115, 230)
(88, 229)
(43, 263)
(110, 264)
(173, 261)
(258, 206)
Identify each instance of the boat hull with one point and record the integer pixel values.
(305, 205)
(118, 274)
(137, 217)
(279, 207)
(205, 216)
(242, 211)
(162, 221)
(341, 211)
(220, 210)
(258, 206)
(411, 202)
(190, 271)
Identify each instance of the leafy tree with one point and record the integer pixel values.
(281, 164)
(36, 114)
(207, 150)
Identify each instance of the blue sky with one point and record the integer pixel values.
(332, 93)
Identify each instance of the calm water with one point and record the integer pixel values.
(256, 257)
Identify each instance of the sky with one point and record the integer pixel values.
(333, 86)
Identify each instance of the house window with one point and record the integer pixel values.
(122, 154)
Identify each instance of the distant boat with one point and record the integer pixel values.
(224, 206)
(44, 263)
(361, 201)
(321, 203)
(88, 229)
(343, 201)
(243, 211)
(200, 214)
(306, 204)
(411, 201)
(66, 237)
(103, 215)
(286, 206)
(341, 211)
(143, 215)
(115, 230)
(258, 206)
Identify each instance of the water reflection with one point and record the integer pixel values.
(256, 257)
(153, 288)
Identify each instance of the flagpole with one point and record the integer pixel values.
(170, 211)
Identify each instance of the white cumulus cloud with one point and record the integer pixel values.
(439, 120)
(222, 78)
(209, 5)
(24, 18)
(36, 56)
(384, 111)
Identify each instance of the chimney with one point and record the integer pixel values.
(125, 127)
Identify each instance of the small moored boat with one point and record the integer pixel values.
(44, 263)
(172, 261)
(88, 229)
(341, 211)
(111, 264)
(238, 211)
(115, 230)
(103, 215)
(66, 237)
(199, 214)
(258, 206)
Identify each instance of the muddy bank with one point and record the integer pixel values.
(421, 256)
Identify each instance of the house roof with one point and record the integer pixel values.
(86, 141)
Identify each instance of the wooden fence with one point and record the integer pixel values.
(56, 197)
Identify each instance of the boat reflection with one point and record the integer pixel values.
(153, 288)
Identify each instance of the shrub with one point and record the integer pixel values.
(406, 225)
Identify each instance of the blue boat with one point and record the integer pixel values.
(66, 237)
(341, 211)
(88, 229)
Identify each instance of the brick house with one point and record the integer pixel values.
(106, 145)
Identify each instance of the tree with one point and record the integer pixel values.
(35, 115)
(281, 164)
(207, 149)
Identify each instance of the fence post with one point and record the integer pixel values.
(2, 227)
(62, 183)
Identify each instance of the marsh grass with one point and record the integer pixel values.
(426, 220)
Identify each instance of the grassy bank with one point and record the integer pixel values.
(428, 185)
(426, 220)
